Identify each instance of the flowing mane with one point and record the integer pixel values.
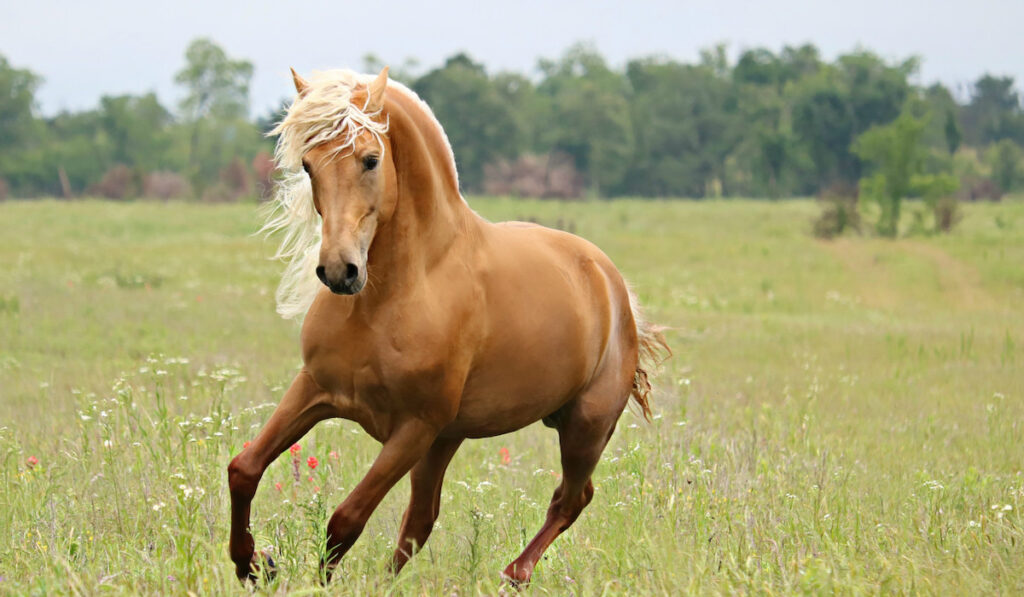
(322, 113)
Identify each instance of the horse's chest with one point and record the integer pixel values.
(383, 365)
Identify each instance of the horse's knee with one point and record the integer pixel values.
(243, 477)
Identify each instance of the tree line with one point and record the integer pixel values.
(769, 124)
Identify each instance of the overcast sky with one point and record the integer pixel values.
(88, 49)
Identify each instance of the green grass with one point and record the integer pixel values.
(839, 417)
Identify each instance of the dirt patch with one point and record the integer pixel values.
(959, 283)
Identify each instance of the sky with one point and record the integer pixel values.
(85, 50)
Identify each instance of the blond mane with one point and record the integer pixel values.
(323, 113)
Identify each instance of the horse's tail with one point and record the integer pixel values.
(653, 351)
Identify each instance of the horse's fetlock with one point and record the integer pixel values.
(344, 526)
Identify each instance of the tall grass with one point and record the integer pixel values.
(840, 417)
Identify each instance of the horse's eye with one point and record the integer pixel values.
(370, 162)
(305, 167)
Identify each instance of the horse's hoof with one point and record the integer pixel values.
(515, 579)
(261, 569)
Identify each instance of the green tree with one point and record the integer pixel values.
(1007, 162)
(824, 125)
(215, 108)
(20, 131)
(137, 129)
(897, 154)
(799, 62)
(684, 118)
(589, 116)
(943, 131)
(758, 67)
(479, 120)
(994, 112)
(952, 132)
(17, 98)
(838, 103)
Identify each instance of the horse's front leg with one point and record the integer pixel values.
(402, 449)
(424, 501)
(303, 405)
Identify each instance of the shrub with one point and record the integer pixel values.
(548, 176)
(235, 177)
(117, 183)
(165, 185)
(840, 211)
(838, 215)
(980, 188)
(219, 193)
(263, 168)
(937, 190)
(947, 214)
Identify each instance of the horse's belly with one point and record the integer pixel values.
(526, 375)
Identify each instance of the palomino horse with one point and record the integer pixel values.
(432, 325)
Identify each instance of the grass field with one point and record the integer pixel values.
(839, 417)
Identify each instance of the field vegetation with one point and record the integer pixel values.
(840, 416)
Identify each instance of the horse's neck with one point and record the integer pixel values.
(430, 215)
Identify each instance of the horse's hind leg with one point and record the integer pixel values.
(299, 410)
(425, 502)
(583, 433)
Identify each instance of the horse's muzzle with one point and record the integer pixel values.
(343, 281)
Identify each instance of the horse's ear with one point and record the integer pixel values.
(301, 86)
(375, 91)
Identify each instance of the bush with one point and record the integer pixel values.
(219, 193)
(937, 190)
(263, 168)
(947, 214)
(5, 189)
(980, 188)
(838, 214)
(117, 183)
(840, 211)
(235, 177)
(165, 185)
(548, 176)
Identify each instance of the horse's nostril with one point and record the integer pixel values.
(321, 273)
(351, 271)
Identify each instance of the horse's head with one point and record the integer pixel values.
(354, 185)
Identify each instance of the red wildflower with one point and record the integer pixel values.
(505, 458)
(246, 445)
(277, 486)
(32, 461)
(333, 455)
(295, 449)
(312, 462)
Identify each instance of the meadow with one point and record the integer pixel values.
(840, 417)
